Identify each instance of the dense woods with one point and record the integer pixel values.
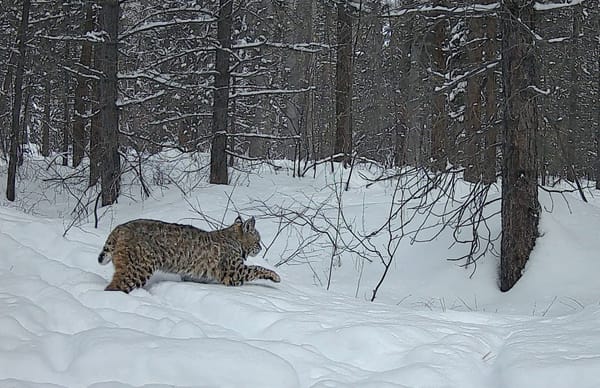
(482, 90)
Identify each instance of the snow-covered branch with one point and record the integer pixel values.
(154, 25)
(270, 91)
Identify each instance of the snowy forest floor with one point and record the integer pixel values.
(431, 325)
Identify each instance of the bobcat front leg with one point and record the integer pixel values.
(235, 273)
(252, 272)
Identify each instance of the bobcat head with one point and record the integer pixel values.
(250, 238)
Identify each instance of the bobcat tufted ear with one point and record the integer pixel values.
(238, 221)
(249, 225)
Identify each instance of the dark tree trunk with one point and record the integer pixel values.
(7, 85)
(472, 158)
(95, 125)
(404, 39)
(343, 83)
(598, 112)
(439, 125)
(66, 118)
(110, 177)
(46, 121)
(81, 92)
(572, 130)
(26, 121)
(218, 151)
(520, 207)
(491, 131)
(16, 110)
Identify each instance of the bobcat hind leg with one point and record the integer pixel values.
(127, 276)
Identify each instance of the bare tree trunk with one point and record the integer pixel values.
(66, 119)
(520, 207)
(81, 91)
(598, 112)
(26, 120)
(5, 105)
(404, 38)
(491, 131)
(95, 125)
(110, 177)
(218, 152)
(16, 110)
(472, 158)
(343, 83)
(46, 121)
(439, 125)
(569, 152)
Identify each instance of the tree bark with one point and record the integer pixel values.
(520, 207)
(569, 151)
(343, 83)
(598, 112)
(218, 152)
(16, 110)
(110, 177)
(403, 38)
(81, 91)
(472, 158)
(439, 125)
(95, 127)
(66, 118)
(491, 131)
(7, 85)
(47, 118)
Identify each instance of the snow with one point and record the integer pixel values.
(431, 324)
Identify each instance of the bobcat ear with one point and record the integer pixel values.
(238, 221)
(249, 225)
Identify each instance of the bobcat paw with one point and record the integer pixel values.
(275, 277)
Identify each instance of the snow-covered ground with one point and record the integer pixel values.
(431, 325)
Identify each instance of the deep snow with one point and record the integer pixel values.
(430, 326)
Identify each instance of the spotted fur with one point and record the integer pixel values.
(141, 247)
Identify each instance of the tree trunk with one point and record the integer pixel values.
(66, 119)
(110, 177)
(472, 157)
(520, 207)
(16, 110)
(7, 84)
(218, 152)
(81, 91)
(598, 111)
(404, 38)
(95, 125)
(46, 121)
(572, 130)
(439, 125)
(343, 83)
(491, 131)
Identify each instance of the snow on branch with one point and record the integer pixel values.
(545, 6)
(132, 101)
(309, 47)
(471, 73)
(476, 8)
(264, 136)
(270, 91)
(154, 25)
(439, 9)
(180, 117)
(161, 79)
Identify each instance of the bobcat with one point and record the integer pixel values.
(141, 247)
